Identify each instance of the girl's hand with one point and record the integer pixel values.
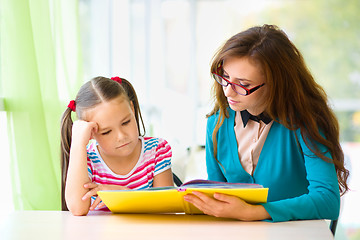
(82, 132)
(227, 206)
(93, 188)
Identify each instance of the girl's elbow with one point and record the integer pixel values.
(77, 206)
(78, 210)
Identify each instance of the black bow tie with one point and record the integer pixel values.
(245, 115)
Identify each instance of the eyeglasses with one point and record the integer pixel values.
(236, 87)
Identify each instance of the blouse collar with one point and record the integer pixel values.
(245, 116)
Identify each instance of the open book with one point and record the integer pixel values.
(170, 199)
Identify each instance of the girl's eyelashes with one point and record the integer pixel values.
(126, 123)
(105, 133)
(123, 124)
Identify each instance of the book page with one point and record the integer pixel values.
(200, 183)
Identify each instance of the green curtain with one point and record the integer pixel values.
(40, 72)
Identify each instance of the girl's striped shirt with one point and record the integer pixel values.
(155, 158)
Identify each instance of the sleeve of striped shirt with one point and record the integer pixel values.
(89, 168)
(91, 155)
(162, 157)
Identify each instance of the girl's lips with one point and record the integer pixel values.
(123, 145)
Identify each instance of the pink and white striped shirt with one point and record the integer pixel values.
(154, 159)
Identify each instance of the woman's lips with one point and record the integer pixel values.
(232, 101)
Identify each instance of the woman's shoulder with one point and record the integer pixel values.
(212, 119)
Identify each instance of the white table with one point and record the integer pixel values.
(105, 225)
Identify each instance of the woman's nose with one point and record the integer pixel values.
(229, 91)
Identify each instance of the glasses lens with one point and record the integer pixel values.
(239, 89)
(224, 83)
(220, 80)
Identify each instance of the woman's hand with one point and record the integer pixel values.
(93, 188)
(227, 206)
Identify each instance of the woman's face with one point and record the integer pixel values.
(248, 73)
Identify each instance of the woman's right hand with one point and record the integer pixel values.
(82, 132)
(226, 206)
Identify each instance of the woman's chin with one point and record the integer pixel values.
(236, 107)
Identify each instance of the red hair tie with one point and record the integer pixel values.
(72, 105)
(117, 79)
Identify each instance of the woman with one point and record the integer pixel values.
(271, 125)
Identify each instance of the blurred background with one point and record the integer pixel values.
(164, 47)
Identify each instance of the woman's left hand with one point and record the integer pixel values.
(94, 188)
(226, 206)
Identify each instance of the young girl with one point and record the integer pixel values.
(271, 125)
(119, 158)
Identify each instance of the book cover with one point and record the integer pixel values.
(170, 199)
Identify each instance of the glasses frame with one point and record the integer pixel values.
(248, 91)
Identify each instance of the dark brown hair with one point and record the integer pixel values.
(294, 99)
(92, 93)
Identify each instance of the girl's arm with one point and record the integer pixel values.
(162, 173)
(93, 188)
(77, 175)
(163, 179)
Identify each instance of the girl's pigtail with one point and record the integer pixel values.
(66, 131)
(133, 98)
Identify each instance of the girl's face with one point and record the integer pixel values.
(248, 73)
(117, 133)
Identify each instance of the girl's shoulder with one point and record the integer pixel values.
(154, 142)
(157, 147)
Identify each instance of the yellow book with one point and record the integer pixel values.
(170, 199)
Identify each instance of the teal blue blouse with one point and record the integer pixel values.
(301, 185)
